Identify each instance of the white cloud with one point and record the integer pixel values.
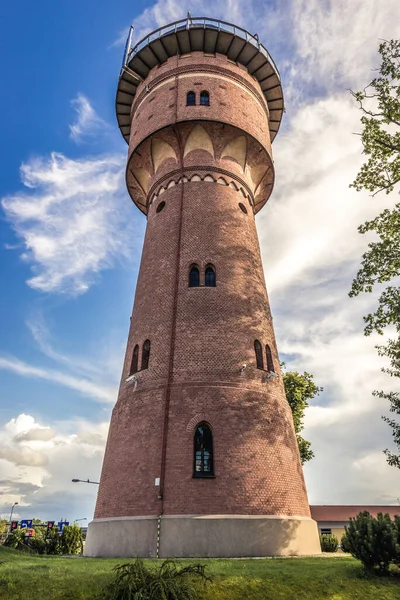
(37, 473)
(337, 40)
(85, 387)
(99, 365)
(75, 221)
(88, 124)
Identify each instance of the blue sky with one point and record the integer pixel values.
(70, 239)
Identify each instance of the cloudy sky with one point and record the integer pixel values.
(71, 239)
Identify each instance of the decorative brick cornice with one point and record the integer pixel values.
(202, 169)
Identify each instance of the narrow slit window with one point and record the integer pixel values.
(190, 99)
(270, 362)
(259, 354)
(145, 354)
(194, 276)
(204, 98)
(209, 279)
(203, 452)
(134, 361)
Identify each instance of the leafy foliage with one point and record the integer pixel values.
(16, 540)
(373, 541)
(344, 543)
(134, 581)
(3, 529)
(381, 144)
(299, 389)
(71, 540)
(380, 106)
(38, 543)
(329, 542)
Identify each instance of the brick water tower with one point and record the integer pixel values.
(201, 457)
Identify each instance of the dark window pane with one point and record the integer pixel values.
(145, 354)
(191, 99)
(135, 361)
(210, 276)
(259, 354)
(270, 362)
(204, 98)
(194, 277)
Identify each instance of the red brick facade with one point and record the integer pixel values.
(202, 162)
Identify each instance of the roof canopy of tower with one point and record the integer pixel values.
(197, 34)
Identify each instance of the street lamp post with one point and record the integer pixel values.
(11, 514)
(12, 510)
(84, 481)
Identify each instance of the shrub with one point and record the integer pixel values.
(169, 581)
(396, 533)
(16, 539)
(329, 542)
(344, 544)
(38, 542)
(71, 540)
(372, 540)
(53, 541)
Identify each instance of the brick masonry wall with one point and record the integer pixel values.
(256, 460)
(235, 97)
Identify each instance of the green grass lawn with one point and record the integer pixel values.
(29, 577)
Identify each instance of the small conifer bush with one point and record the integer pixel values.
(344, 544)
(329, 542)
(373, 541)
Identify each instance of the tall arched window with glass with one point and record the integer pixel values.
(270, 362)
(209, 278)
(146, 354)
(203, 451)
(134, 361)
(259, 354)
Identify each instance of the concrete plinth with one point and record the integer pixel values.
(203, 536)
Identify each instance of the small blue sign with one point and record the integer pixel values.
(26, 524)
(61, 525)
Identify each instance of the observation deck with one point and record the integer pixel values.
(198, 34)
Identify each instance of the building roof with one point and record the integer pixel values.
(197, 34)
(336, 512)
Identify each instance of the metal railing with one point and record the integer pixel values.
(196, 23)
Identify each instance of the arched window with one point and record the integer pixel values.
(209, 276)
(204, 98)
(145, 354)
(203, 451)
(191, 99)
(134, 361)
(194, 276)
(270, 362)
(259, 354)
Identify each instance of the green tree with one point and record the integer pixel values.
(379, 103)
(71, 540)
(373, 540)
(3, 530)
(300, 389)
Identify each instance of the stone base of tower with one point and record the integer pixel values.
(187, 536)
